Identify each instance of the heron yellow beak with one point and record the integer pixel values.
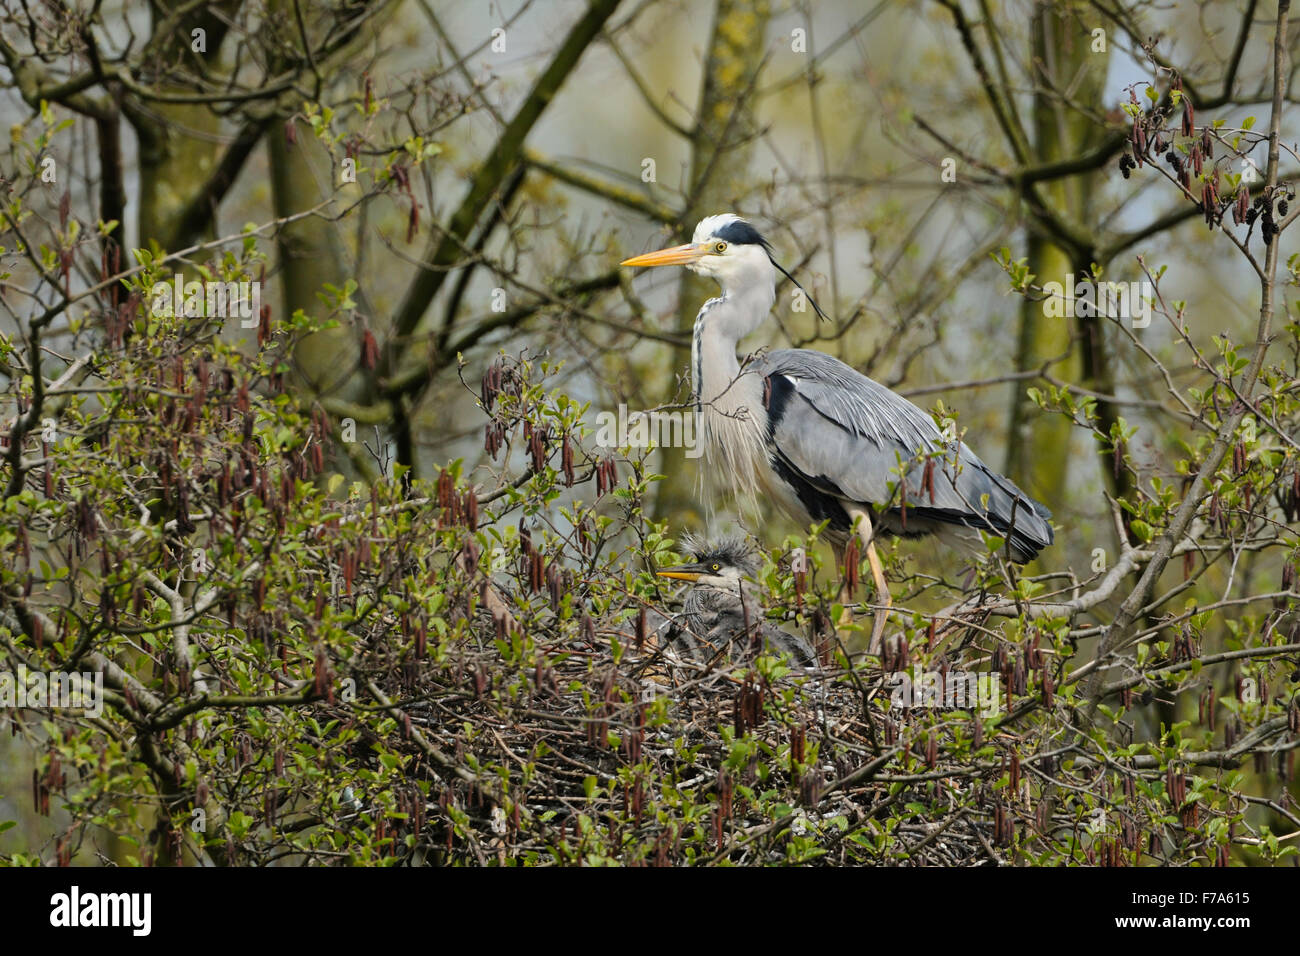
(683, 572)
(672, 256)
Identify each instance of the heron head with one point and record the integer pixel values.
(722, 564)
(728, 249)
(724, 247)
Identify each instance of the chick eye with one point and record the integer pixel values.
(719, 246)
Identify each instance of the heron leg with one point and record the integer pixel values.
(866, 534)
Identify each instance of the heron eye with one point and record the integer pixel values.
(719, 246)
(717, 567)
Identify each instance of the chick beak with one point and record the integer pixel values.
(683, 572)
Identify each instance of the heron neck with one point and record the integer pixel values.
(714, 365)
(719, 327)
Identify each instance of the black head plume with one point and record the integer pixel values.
(817, 308)
(739, 232)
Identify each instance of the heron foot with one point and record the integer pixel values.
(866, 534)
(844, 626)
(883, 596)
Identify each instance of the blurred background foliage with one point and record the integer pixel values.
(424, 187)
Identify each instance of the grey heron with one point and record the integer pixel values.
(821, 440)
(721, 615)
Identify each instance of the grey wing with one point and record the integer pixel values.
(780, 641)
(730, 632)
(701, 648)
(849, 439)
(659, 627)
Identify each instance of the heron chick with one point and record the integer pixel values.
(721, 615)
(821, 440)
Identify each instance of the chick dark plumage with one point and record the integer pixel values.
(721, 617)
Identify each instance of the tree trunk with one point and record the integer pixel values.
(720, 154)
(1038, 453)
